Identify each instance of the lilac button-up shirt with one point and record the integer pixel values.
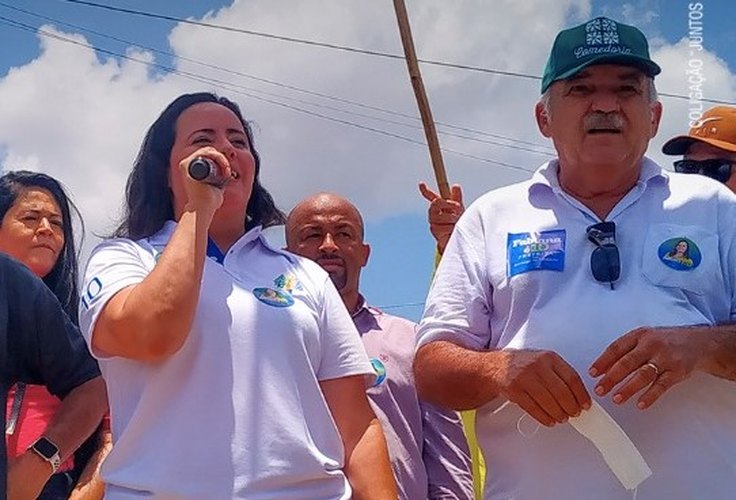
(429, 453)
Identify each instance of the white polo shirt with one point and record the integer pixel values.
(516, 274)
(238, 411)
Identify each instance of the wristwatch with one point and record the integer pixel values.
(48, 451)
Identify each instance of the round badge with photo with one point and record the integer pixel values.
(680, 254)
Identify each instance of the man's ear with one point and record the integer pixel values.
(542, 120)
(366, 253)
(656, 117)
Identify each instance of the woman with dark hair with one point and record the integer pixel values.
(233, 368)
(37, 229)
(58, 269)
(680, 253)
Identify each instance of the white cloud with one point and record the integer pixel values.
(676, 60)
(79, 119)
(641, 14)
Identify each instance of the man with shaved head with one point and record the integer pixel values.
(428, 451)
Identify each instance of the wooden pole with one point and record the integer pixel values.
(422, 102)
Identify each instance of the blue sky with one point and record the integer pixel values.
(66, 94)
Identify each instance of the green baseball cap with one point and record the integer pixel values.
(600, 40)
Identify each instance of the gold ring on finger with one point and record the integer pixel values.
(653, 367)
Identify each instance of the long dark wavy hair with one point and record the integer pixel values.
(148, 197)
(63, 277)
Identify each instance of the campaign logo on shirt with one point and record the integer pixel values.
(380, 370)
(280, 296)
(288, 283)
(535, 252)
(681, 254)
(90, 291)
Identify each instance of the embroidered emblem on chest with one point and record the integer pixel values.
(281, 294)
(680, 254)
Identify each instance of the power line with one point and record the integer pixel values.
(234, 89)
(549, 152)
(402, 306)
(539, 148)
(340, 47)
(303, 41)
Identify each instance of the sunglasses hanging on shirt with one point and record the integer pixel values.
(718, 169)
(605, 262)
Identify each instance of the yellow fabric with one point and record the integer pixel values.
(437, 257)
(468, 418)
(476, 457)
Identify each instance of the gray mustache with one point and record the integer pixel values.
(604, 121)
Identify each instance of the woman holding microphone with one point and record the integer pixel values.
(233, 369)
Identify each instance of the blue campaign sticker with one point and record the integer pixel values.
(535, 252)
(681, 254)
(380, 370)
(273, 297)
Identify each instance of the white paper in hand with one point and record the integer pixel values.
(612, 442)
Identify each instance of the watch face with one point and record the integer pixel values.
(46, 448)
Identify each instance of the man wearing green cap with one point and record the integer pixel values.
(601, 293)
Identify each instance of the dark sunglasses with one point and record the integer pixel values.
(605, 262)
(717, 169)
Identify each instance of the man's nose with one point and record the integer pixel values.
(605, 102)
(328, 244)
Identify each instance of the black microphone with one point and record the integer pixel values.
(202, 169)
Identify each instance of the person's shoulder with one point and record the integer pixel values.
(21, 289)
(105, 248)
(302, 265)
(699, 187)
(503, 199)
(392, 320)
(306, 270)
(308, 265)
(115, 243)
(702, 195)
(494, 209)
(14, 271)
(8, 262)
(511, 192)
